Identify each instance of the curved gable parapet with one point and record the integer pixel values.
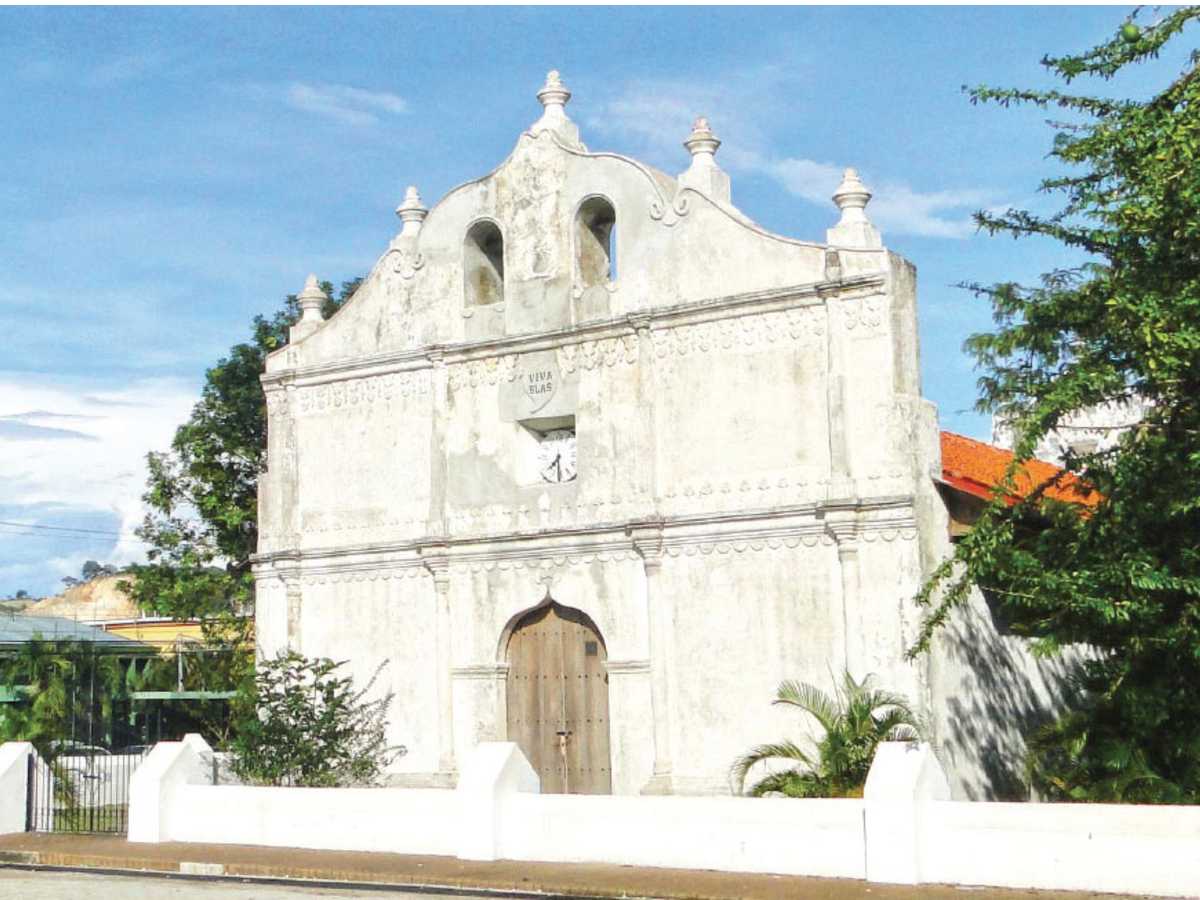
(537, 266)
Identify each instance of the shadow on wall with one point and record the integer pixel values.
(997, 692)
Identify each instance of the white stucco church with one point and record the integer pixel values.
(594, 462)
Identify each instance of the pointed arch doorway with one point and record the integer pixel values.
(557, 697)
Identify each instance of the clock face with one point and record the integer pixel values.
(556, 456)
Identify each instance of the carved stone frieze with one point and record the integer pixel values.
(864, 314)
(490, 370)
(364, 392)
(753, 332)
(621, 350)
(341, 520)
(278, 404)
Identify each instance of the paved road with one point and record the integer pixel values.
(16, 884)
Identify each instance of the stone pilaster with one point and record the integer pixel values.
(845, 533)
(438, 390)
(661, 619)
(439, 568)
(295, 602)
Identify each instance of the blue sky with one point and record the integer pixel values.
(166, 174)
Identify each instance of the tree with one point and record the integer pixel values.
(1123, 575)
(302, 724)
(66, 691)
(202, 493)
(92, 569)
(854, 721)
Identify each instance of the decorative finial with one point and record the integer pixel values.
(852, 197)
(412, 212)
(554, 96)
(704, 175)
(311, 299)
(553, 92)
(702, 142)
(854, 229)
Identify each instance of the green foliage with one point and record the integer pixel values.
(202, 494)
(67, 691)
(302, 724)
(1124, 576)
(853, 722)
(78, 691)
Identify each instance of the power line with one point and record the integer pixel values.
(61, 528)
(67, 537)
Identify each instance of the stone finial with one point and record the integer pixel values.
(704, 175)
(702, 143)
(854, 229)
(412, 212)
(554, 96)
(554, 93)
(311, 299)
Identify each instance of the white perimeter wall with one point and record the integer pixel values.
(384, 820)
(905, 830)
(1064, 846)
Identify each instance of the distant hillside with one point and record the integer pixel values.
(98, 600)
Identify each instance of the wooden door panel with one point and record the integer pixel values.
(557, 681)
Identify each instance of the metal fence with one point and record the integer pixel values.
(83, 789)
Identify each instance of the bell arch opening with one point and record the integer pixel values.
(483, 264)
(595, 242)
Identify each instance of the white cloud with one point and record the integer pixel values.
(655, 116)
(349, 105)
(53, 479)
(895, 207)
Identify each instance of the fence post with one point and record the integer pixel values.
(14, 785)
(494, 771)
(905, 778)
(170, 764)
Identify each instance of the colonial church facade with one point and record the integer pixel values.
(593, 462)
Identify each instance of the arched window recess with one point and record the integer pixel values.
(595, 245)
(483, 264)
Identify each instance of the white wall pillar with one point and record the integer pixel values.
(905, 779)
(494, 772)
(152, 785)
(14, 784)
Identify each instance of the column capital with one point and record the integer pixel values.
(639, 322)
(647, 541)
(437, 563)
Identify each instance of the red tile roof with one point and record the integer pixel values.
(976, 468)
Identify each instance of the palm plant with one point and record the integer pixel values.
(855, 720)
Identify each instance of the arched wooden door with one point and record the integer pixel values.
(558, 700)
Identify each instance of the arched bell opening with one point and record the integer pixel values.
(557, 698)
(595, 242)
(483, 264)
